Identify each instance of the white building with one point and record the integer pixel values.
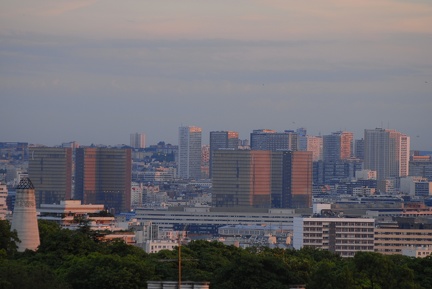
(154, 246)
(189, 151)
(67, 212)
(168, 218)
(343, 236)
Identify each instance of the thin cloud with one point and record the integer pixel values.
(69, 6)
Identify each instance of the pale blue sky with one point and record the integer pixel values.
(95, 71)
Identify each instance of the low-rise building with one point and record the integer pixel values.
(394, 240)
(71, 214)
(417, 252)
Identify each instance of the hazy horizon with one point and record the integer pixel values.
(95, 71)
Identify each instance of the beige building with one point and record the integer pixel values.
(394, 240)
(3, 205)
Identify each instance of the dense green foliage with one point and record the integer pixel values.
(78, 259)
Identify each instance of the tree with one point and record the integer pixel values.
(107, 271)
(8, 238)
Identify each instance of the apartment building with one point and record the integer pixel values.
(343, 236)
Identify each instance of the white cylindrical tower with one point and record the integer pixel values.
(24, 219)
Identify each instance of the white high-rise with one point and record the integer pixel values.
(189, 152)
(137, 140)
(386, 152)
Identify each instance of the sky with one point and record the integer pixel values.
(95, 71)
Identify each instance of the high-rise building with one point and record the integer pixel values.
(359, 149)
(189, 159)
(387, 152)
(205, 161)
(314, 144)
(337, 146)
(103, 176)
(281, 179)
(292, 179)
(24, 219)
(242, 178)
(137, 140)
(222, 140)
(270, 140)
(50, 170)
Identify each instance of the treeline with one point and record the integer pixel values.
(78, 259)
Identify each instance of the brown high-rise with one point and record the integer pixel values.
(50, 170)
(103, 176)
(281, 179)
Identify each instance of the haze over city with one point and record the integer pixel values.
(95, 71)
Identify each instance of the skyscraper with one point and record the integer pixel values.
(312, 144)
(265, 179)
(51, 172)
(266, 139)
(242, 178)
(222, 140)
(337, 146)
(387, 152)
(137, 140)
(359, 149)
(189, 159)
(292, 179)
(24, 219)
(103, 176)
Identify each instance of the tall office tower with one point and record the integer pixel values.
(292, 179)
(24, 219)
(205, 161)
(302, 139)
(387, 152)
(103, 176)
(222, 140)
(189, 160)
(359, 149)
(137, 140)
(241, 178)
(281, 179)
(270, 140)
(314, 144)
(337, 146)
(51, 172)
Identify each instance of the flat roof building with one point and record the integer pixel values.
(103, 176)
(343, 236)
(50, 170)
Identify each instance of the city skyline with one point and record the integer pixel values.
(95, 71)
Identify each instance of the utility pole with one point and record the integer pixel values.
(179, 262)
